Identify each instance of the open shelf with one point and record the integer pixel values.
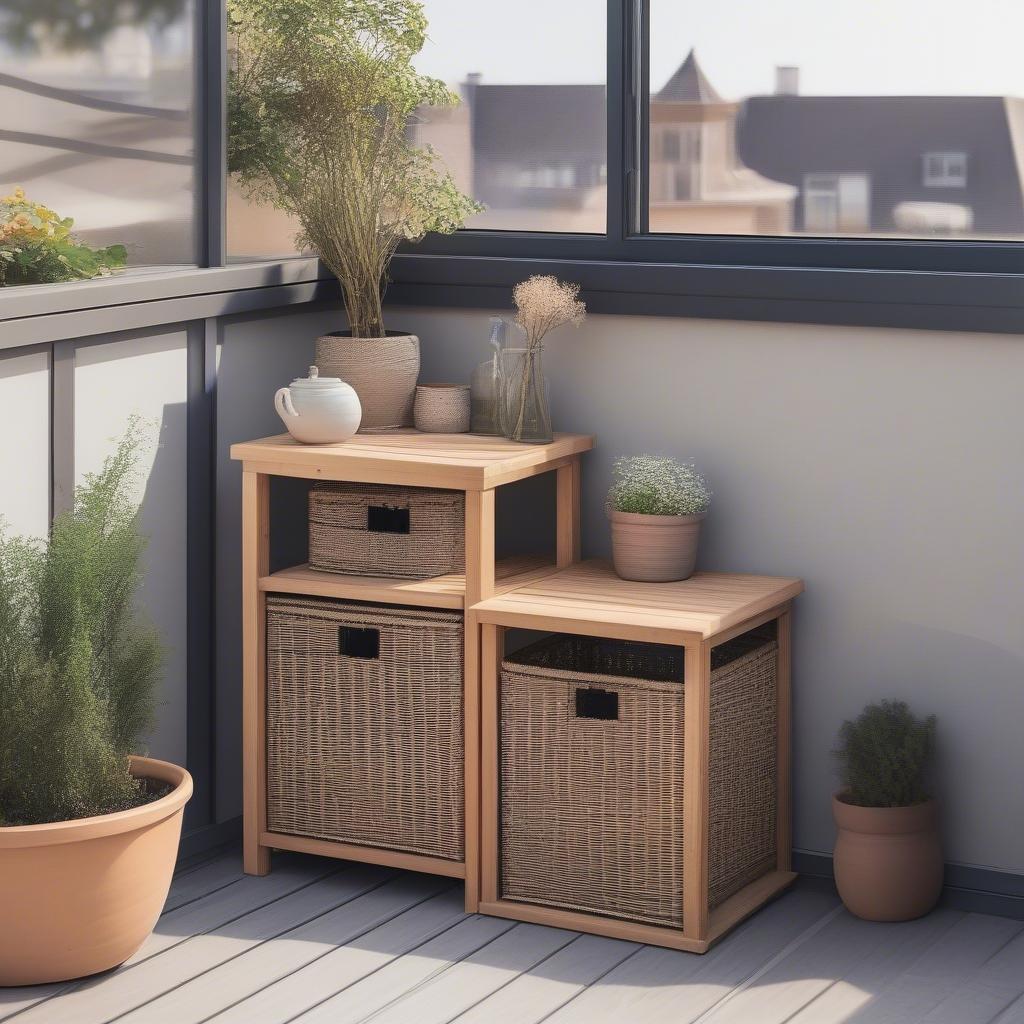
(440, 592)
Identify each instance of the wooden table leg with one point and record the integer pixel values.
(471, 774)
(784, 739)
(479, 546)
(492, 643)
(567, 514)
(479, 585)
(696, 747)
(255, 563)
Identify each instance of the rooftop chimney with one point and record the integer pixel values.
(787, 81)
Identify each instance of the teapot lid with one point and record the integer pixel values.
(315, 381)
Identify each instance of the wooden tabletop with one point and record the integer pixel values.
(589, 598)
(463, 462)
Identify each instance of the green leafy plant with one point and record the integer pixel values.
(656, 485)
(884, 755)
(321, 95)
(78, 672)
(37, 246)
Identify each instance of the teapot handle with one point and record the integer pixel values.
(283, 405)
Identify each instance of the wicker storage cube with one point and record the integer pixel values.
(364, 725)
(376, 530)
(591, 774)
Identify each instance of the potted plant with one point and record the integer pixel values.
(888, 856)
(321, 95)
(37, 246)
(543, 304)
(88, 830)
(656, 505)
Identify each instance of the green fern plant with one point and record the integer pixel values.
(78, 672)
(884, 756)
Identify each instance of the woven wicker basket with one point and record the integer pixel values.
(592, 774)
(374, 530)
(365, 725)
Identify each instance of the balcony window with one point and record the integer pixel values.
(945, 170)
(887, 91)
(529, 138)
(97, 122)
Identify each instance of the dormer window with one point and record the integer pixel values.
(945, 170)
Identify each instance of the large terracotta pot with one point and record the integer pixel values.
(383, 372)
(888, 860)
(78, 897)
(654, 549)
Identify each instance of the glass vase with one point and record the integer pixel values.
(523, 396)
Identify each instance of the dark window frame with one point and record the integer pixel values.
(935, 284)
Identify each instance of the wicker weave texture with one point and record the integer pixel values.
(364, 749)
(375, 530)
(592, 809)
(743, 772)
(442, 408)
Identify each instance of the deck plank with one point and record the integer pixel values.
(345, 965)
(420, 967)
(204, 879)
(988, 991)
(262, 965)
(663, 986)
(196, 916)
(939, 971)
(880, 969)
(471, 980)
(540, 991)
(109, 996)
(838, 950)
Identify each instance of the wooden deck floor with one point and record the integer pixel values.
(334, 943)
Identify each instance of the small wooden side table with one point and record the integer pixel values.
(475, 465)
(696, 614)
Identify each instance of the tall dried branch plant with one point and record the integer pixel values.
(321, 98)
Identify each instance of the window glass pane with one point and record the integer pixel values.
(528, 140)
(97, 120)
(855, 117)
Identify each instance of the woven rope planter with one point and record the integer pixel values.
(382, 371)
(376, 530)
(442, 408)
(592, 775)
(365, 725)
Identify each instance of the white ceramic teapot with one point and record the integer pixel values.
(319, 410)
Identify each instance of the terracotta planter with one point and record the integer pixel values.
(654, 549)
(78, 897)
(382, 371)
(888, 860)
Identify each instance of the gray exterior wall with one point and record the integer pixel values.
(882, 466)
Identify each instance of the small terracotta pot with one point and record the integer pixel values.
(654, 549)
(888, 860)
(382, 371)
(79, 897)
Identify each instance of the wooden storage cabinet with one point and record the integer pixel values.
(697, 835)
(365, 725)
(472, 466)
(591, 774)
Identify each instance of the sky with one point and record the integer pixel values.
(842, 47)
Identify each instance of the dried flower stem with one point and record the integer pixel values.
(543, 304)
